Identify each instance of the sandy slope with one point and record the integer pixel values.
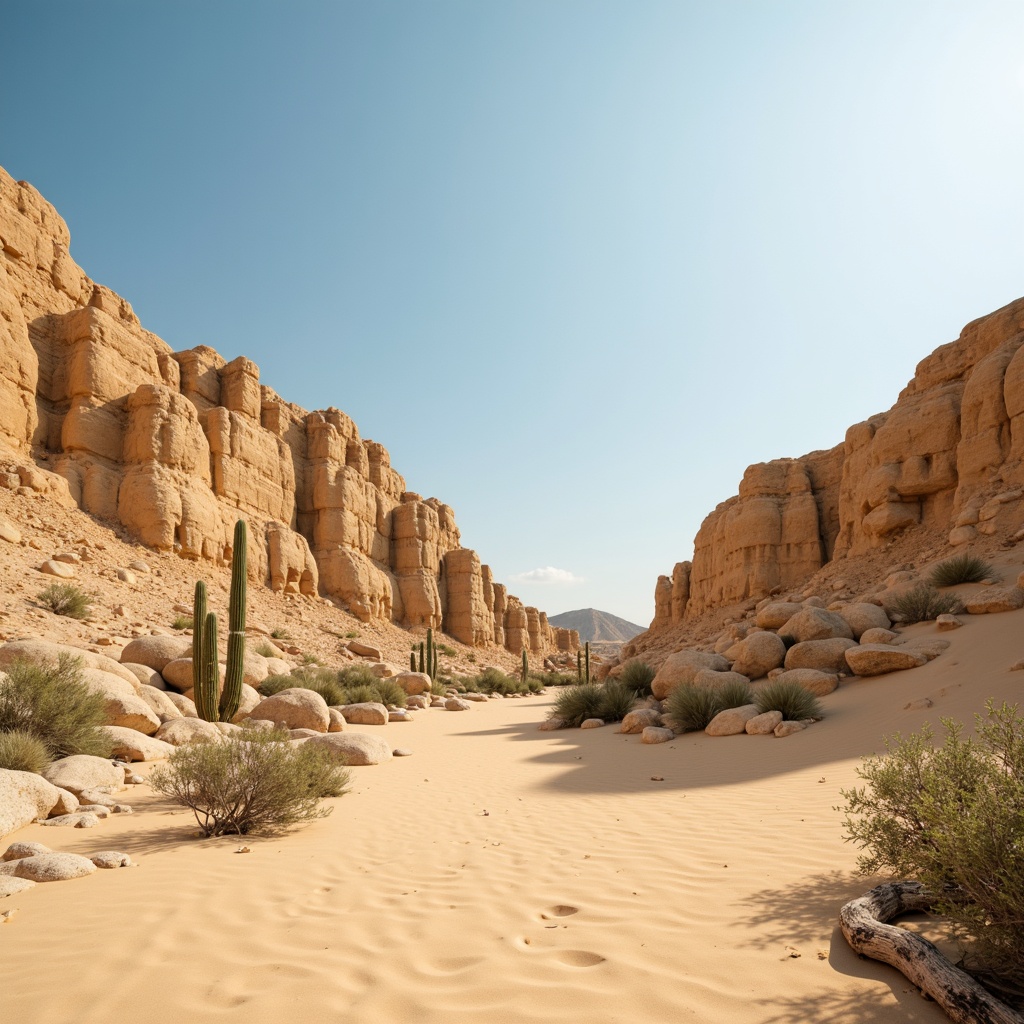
(587, 892)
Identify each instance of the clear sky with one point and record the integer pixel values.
(576, 263)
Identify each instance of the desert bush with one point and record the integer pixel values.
(182, 622)
(53, 704)
(734, 694)
(22, 751)
(449, 652)
(250, 784)
(617, 700)
(554, 678)
(66, 599)
(351, 634)
(962, 568)
(692, 707)
(320, 680)
(923, 602)
(266, 650)
(280, 633)
(440, 686)
(576, 703)
(493, 680)
(952, 817)
(389, 692)
(355, 675)
(277, 683)
(638, 676)
(795, 702)
(311, 659)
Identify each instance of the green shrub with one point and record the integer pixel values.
(280, 634)
(534, 685)
(952, 818)
(554, 678)
(638, 676)
(351, 634)
(250, 784)
(355, 675)
(575, 704)
(277, 683)
(963, 568)
(389, 692)
(266, 650)
(692, 707)
(439, 687)
(617, 700)
(311, 659)
(735, 694)
(446, 650)
(493, 680)
(310, 677)
(53, 704)
(922, 603)
(795, 702)
(362, 693)
(66, 599)
(182, 622)
(22, 751)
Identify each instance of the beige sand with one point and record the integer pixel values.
(586, 892)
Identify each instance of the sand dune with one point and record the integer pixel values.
(586, 891)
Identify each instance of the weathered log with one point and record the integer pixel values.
(863, 922)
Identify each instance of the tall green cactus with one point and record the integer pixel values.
(423, 667)
(431, 668)
(231, 697)
(524, 672)
(586, 660)
(205, 668)
(579, 666)
(412, 661)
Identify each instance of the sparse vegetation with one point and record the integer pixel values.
(962, 568)
(21, 751)
(266, 650)
(922, 603)
(182, 622)
(952, 818)
(251, 784)
(354, 684)
(638, 676)
(493, 680)
(53, 704)
(439, 687)
(575, 704)
(796, 702)
(352, 634)
(355, 675)
(448, 652)
(311, 659)
(553, 678)
(692, 707)
(617, 700)
(280, 634)
(66, 599)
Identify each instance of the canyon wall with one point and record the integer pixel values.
(947, 459)
(175, 446)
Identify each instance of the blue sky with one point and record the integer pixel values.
(576, 264)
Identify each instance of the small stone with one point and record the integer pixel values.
(947, 622)
(732, 721)
(69, 557)
(401, 752)
(110, 859)
(551, 724)
(16, 851)
(921, 704)
(787, 728)
(656, 734)
(76, 820)
(763, 724)
(60, 569)
(457, 704)
(592, 723)
(139, 566)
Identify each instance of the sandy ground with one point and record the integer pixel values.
(502, 874)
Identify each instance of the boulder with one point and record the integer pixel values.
(364, 650)
(592, 723)
(146, 676)
(551, 725)
(414, 683)
(10, 885)
(254, 668)
(365, 713)
(757, 654)
(640, 719)
(787, 728)
(338, 722)
(16, 851)
(81, 772)
(295, 708)
(156, 651)
(995, 599)
(811, 623)
(248, 702)
(80, 819)
(24, 796)
(122, 703)
(878, 659)
(161, 705)
(180, 731)
(110, 859)
(929, 647)
(944, 623)
(457, 704)
(656, 734)
(421, 702)
(863, 616)
(42, 652)
(680, 668)
(824, 655)
(814, 681)
(716, 680)
(878, 636)
(184, 704)
(279, 667)
(53, 867)
(732, 721)
(777, 614)
(129, 745)
(385, 670)
(763, 724)
(355, 748)
(51, 567)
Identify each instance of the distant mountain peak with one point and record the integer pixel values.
(595, 625)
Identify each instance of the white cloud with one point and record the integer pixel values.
(546, 574)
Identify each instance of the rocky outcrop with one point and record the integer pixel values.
(947, 458)
(176, 446)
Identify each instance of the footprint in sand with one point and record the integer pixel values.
(559, 910)
(578, 958)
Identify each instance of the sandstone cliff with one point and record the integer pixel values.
(944, 465)
(174, 446)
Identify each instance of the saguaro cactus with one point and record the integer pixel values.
(579, 666)
(524, 672)
(412, 661)
(205, 668)
(586, 660)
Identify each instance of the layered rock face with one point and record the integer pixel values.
(175, 446)
(948, 456)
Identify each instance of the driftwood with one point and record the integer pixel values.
(863, 921)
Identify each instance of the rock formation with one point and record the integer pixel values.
(175, 446)
(947, 458)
